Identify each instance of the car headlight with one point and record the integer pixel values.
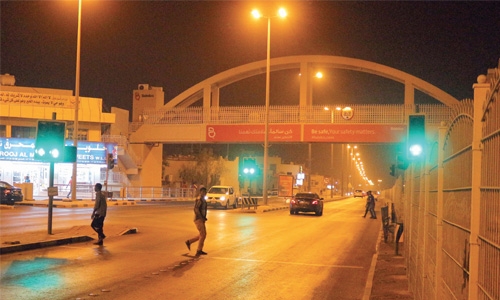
(222, 198)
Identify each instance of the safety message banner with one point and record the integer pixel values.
(319, 133)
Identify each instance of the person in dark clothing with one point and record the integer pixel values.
(367, 206)
(200, 217)
(371, 204)
(99, 213)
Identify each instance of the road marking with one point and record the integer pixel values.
(288, 263)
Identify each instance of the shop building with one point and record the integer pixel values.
(20, 110)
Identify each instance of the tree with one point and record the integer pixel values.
(206, 170)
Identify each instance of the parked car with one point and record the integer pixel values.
(10, 194)
(359, 193)
(306, 202)
(222, 196)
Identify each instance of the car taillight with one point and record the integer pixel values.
(292, 201)
(314, 202)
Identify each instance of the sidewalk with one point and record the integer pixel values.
(386, 280)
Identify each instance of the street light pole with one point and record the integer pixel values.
(256, 14)
(77, 100)
(266, 117)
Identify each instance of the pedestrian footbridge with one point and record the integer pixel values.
(179, 120)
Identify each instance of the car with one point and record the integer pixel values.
(222, 196)
(10, 194)
(306, 202)
(359, 193)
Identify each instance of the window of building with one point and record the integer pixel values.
(3, 131)
(23, 132)
(83, 134)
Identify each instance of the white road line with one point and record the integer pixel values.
(287, 263)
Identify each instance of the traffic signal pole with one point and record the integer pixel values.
(51, 197)
(51, 184)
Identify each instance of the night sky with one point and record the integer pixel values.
(176, 44)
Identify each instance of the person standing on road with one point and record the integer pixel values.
(200, 217)
(367, 206)
(371, 204)
(99, 213)
(69, 185)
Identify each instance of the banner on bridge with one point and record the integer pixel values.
(253, 133)
(356, 133)
(319, 133)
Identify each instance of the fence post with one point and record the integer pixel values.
(440, 208)
(480, 93)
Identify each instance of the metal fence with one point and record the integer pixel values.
(450, 203)
(157, 193)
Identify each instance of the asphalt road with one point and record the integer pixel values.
(271, 255)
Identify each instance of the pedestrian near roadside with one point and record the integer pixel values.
(367, 206)
(371, 200)
(99, 213)
(200, 217)
(69, 185)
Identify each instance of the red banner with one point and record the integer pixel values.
(356, 133)
(326, 133)
(253, 133)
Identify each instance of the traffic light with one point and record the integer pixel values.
(49, 143)
(393, 170)
(111, 161)
(249, 166)
(402, 162)
(69, 154)
(416, 136)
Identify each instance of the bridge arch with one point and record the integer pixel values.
(209, 89)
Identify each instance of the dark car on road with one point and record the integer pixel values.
(306, 202)
(9, 193)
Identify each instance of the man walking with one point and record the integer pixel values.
(371, 204)
(99, 213)
(200, 217)
(367, 206)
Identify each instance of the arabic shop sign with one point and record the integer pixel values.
(22, 149)
(16, 98)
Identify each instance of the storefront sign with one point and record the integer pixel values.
(17, 149)
(21, 149)
(7, 97)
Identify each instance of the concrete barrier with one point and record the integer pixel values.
(248, 202)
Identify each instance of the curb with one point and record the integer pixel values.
(275, 208)
(31, 246)
(67, 204)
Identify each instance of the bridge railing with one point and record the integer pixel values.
(362, 113)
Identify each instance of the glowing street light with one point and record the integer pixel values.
(256, 14)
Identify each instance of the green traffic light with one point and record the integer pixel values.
(416, 150)
(49, 143)
(416, 136)
(40, 152)
(54, 153)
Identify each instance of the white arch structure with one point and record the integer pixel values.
(208, 89)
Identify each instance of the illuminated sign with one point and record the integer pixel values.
(22, 149)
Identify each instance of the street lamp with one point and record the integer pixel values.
(77, 100)
(256, 14)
